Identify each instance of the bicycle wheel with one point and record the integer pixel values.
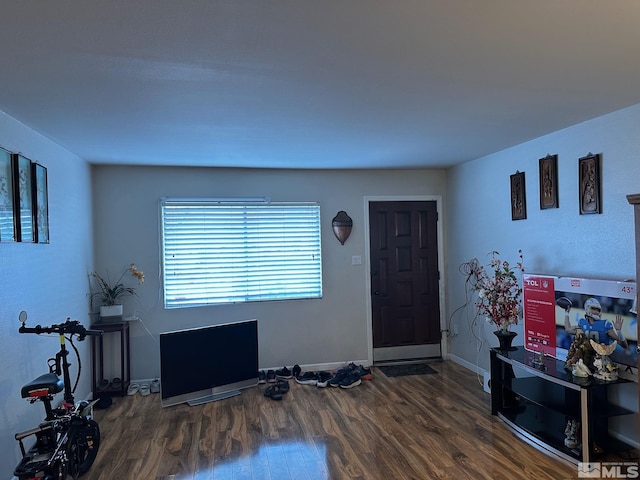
(82, 448)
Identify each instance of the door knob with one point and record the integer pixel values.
(377, 292)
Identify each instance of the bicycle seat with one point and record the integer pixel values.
(47, 384)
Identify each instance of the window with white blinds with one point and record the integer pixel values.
(234, 251)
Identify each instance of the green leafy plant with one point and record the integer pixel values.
(108, 293)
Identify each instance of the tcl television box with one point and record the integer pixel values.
(546, 297)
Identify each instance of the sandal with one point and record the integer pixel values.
(273, 392)
(116, 384)
(283, 385)
(103, 385)
(144, 389)
(133, 389)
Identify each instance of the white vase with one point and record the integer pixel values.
(110, 311)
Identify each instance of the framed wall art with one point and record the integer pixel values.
(23, 198)
(548, 182)
(40, 203)
(518, 197)
(7, 217)
(589, 184)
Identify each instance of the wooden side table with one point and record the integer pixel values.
(97, 352)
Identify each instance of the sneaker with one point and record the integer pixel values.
(365, 373)
(271, 376)
(323, 378)
(350, 380)
(262, 377)
(339, 376)
(284, 372)
(309, 378)
(296, 370)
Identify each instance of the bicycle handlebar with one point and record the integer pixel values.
(73, 327)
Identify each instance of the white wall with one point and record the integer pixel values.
(48, 281)
(307, 332)
(555, 241)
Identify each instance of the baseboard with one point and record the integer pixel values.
(316, 367)
(486, 384)
(312, 367)
(144, 380)
(466, 364)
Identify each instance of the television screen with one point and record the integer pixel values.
(612, 307)
(208, 363)
(547, 299)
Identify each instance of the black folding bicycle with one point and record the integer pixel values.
(66, 443)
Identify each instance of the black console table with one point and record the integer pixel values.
(536, 402)
(98, 354)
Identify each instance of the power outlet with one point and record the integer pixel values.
(356, 260)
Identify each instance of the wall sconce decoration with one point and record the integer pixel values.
(518, 196)
(589, 184)
(548, 167)
(342, 225)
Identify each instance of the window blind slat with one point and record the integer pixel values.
(221, 253)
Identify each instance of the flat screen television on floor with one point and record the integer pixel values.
(204, 364)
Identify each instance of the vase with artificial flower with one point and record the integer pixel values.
(499, 292)
(108, 293)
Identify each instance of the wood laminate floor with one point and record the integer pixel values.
(434, 426)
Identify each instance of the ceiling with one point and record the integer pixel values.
(312, 84)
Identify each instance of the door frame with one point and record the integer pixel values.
(367, 248)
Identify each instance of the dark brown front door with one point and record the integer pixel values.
(404, 279)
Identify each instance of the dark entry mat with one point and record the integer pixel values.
(409, 369)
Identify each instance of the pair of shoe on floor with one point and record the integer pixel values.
(104, 384)
(347, 377)
(350, 376)
(271, 376)
(320, 379)
(144, 388)
(276, 391)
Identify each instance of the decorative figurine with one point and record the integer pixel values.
(538, 362)
(605, 369)
(579, 369)
(580, 351)
(572, 434)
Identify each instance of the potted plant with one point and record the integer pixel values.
(108, 293)
(499, 293)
